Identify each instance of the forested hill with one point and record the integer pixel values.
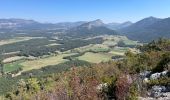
(148, 29)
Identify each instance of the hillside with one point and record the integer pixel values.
(91, 28)
(117, 26)
(148, 29)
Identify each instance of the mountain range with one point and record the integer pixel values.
(145, 30)
(31, 24)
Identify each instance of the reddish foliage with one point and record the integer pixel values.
(84, 89)
(122, 87)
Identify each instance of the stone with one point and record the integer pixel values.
(101, 87)
(155, 76)
(164, 73)
(157, 91)
(146, 80)
(145, 73)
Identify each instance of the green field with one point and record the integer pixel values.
(93, 47)
(39, 63)
(119, 50)
(113, 40)
(116, 53)
(9, 67)
(95, 57)
(99, 56)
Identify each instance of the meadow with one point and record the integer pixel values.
(93, 48)
(11, 59)
(13, 66)
(37, 63)
(42, 62)
(95, 57)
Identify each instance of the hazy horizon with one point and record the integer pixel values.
(55, 11)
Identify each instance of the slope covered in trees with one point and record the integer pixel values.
(148, 29)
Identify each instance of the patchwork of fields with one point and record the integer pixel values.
(27, 65)
(93, 53)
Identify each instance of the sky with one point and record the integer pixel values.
(84, 10)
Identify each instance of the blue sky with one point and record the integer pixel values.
(84, 10)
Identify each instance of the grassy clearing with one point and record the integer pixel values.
(109, 43)
(117, 53)
(53, 44)
(95, 57)
(109, 40)
(113, 40)
(11, 59)
(2, 98)
(16, 39)
(119, 50)
(130, 42)
(93, 47)
(9, 67)
(39, 63)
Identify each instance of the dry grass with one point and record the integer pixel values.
(17, 39)
(53, 44)
(11, 59)
(117, 53)
(39, 63)
(95, 57)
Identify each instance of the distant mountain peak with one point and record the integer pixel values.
(148, 29)
(144, 23)
(150, 19)
(95, 23)
(92, 28)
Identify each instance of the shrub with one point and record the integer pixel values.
(122, 87)
(133, 92)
